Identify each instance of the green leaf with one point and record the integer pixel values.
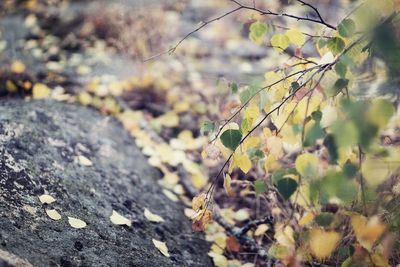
(325, 219)
(257, 31)
(313, 134)
(234, 88)
(316, 115)
(280, 42)
(341, 69)
(330, 144)
(336, 45)
(231, 139)
(294, 86)
(347, 28)
(339, 85)
(260, 186)
(349, 169)
(286, 187)
(255, 153)
(207, 127)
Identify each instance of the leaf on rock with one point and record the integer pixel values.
(161, 246)
(76, 223)
(152, 217)
(53, 214)
(84, 161)
(46, 199)
(118, 219)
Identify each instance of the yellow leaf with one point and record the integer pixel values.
(118, 219)
(241, 215)
(296, 37)
(199, 202)
(366, 230)
(323, 243)
(307, 165)
(375, 170)
(284, 235)
(46, 199)
(271, 163)
(218, 259)
(306, 219)
(11, 87)
(53, 214)
(280, 42)
(161, 246)
(199, 180)
(252, 112)
(76, 223)
(243, 162)
(18, 67)
(40, 91)
(379, 260)
(227, 185)
(275, 146)
(261, 229)
(251, 142)
(152, 217)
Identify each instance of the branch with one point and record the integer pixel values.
(320, 20)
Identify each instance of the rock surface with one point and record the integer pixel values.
(39, 145)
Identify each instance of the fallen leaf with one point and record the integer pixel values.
(18, 67)
(118, 219)
(323, 243)
(170, 195)
(40, 91)
(76, 223)
(152, 217)
(161, 246)
(46, 199)
(261, 229)
(227, 185)
(232, 244)
(53, 214)
(84, 161)
(367, 230)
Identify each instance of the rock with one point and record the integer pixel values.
(40, 142)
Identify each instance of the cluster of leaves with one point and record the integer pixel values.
(309, 136)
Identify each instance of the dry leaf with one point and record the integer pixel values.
(46, 199)
(227, 185)
(323, 243)
(53, 214)
(84, 161)
(152, 217)
(232, 244)
(367, 230)
(170, 195)
(76, 223)
(161, 246)
(261, 229)
(118, 219)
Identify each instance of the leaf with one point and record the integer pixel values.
(18, 67)
(338, 87)
(227, 185)
(243, 162)
(307, 165)
(46, 199)
(280, 42)
(260, 187)
(306, 218)
(323, 243)
(152, 217)
(241, 215)
(286, 187)
(336, 45)
(341, 69)
(170, 195)
(366, 230)
(118, 219)
(40, 91)
(257, 31)
(347, 28)
(207, 127)
(53, 214)
(261, 229)
(161, 246)
(198, 202)
(296, 37)
(234, 88)
(76, 223)
(231, 139)
(232, 244)
(84, 161)
(380, 112)
(324, 219)
(11, 87)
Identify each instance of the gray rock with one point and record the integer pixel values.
(39, 143)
